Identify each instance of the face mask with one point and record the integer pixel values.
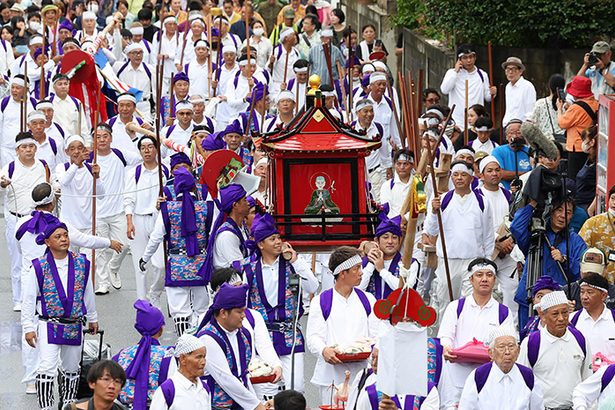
(259, 32)
(93, 8)
(34, 26)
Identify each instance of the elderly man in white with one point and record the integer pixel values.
(502, 381)
(558, 354)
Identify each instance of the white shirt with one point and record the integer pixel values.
(46, 153)
(76, 187)
(431, 402)
(271, 278)
(382, 156)
(188, 395)
(137, 77)
(383, 114)
(263, 47)
(169, 47)
(235, 98)
(19, 192)
(226, 249)
(218, 367)
(301, 93)
(144, 201)
(9, 125)
(395, 196)
(560, 366)
(487, 146)
(225, 74)
(178, 135)
(346, 324)
(588, 391)
(72, 119)
(277, 72)
(464, 223)
(7, 59)
(386, 276)
(520, 100)
(199, 78)
(30, 306)
(599, 334)
(506, 391)
(121, 139)
(454, 84)
(261, 341)
(112, 177)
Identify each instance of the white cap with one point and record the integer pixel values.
(377, 77)
(36, 115)
(287, 32)
(487, 160)
(229, 49)
(74, 138)
(88, 15)
(133, 47)
(184, 105)
(35, 41)
(186, 344)
(553, 299)
(380, 65)
(285, 95)
(501, 331)
(136, 31)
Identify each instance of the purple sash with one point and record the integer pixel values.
(502, 310)
(375, 282)
(326, 302)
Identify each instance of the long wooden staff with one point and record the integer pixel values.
(246, 132)
(24, 117)
(262, 130)
(160, 77)
(248, 36)
(438, 213)
(492, 105)
(395, 114)
(94, 160)
(219, 53)
(501, 106)
(209, 62)
(465, 117)
(41, 88)
(403, 98)
(181, 57)
(344, 95)
(296, 95)
(54, 45)
(327, 49)
(350, 83)
(419, 91)
(286, 62)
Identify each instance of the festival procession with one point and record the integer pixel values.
(227, 204)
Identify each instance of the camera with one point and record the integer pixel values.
(517, 143)
(593, 58)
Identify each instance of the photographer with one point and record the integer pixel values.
(560, 246)
(599, 68)
(514, 158)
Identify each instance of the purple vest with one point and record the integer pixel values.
(279, 315)
(219, 398)
(375, 282)
(410, 402)
(64, 311)
(183, 270)
(159, 361)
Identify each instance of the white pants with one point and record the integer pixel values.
(144, 225)
(29, 359)
(376, 179)
(460, 281)
(287, 371)
(14, 254)
(145, 110)
(508, 283)
(188, 301)
(48, 354)
(112, 227)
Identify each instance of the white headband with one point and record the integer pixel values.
(18, 81)
(244, 63)
(133, 47)
(486, 161)
(35, 41)
(459, 167)
(169, 19)
(137, 31)
(482, 266)
(184, 105)
(286, 33)
(74, 138)
(300, 69)
(368, 68)
(186, 344)
(36, 115)
(503, 331)
(436, 112)
(326, 33)
(285, 95)
(328, 93)
(229, 49)
(595, 287)
(88, 15)
(127, 97)
(44, 104)
(224, 21)
(380, 65)
(405, 157)
(195, 99)
(201, 43)
(364, 103)
(431, 134)
(25, 141)
(484, 128)
(553, 299)
(377, 77)
(347, 264)
(47, 200)
(197, 19)
(465, 151)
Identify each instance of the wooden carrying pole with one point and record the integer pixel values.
(434, 182)
(41, 88)
(94, 160)
(492, 104)
(403, 97)
(24, 99)
(209, 62)
(350, 68)
(501, 106)
(344, 95)
(465, 118)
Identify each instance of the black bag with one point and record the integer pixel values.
(86, 363)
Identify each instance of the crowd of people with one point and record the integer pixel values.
(104, 151)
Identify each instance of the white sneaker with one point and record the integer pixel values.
(116, 282)
(17, 307)
(30, 388)
(102, 290)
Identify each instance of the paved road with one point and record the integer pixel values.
(116, 316)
